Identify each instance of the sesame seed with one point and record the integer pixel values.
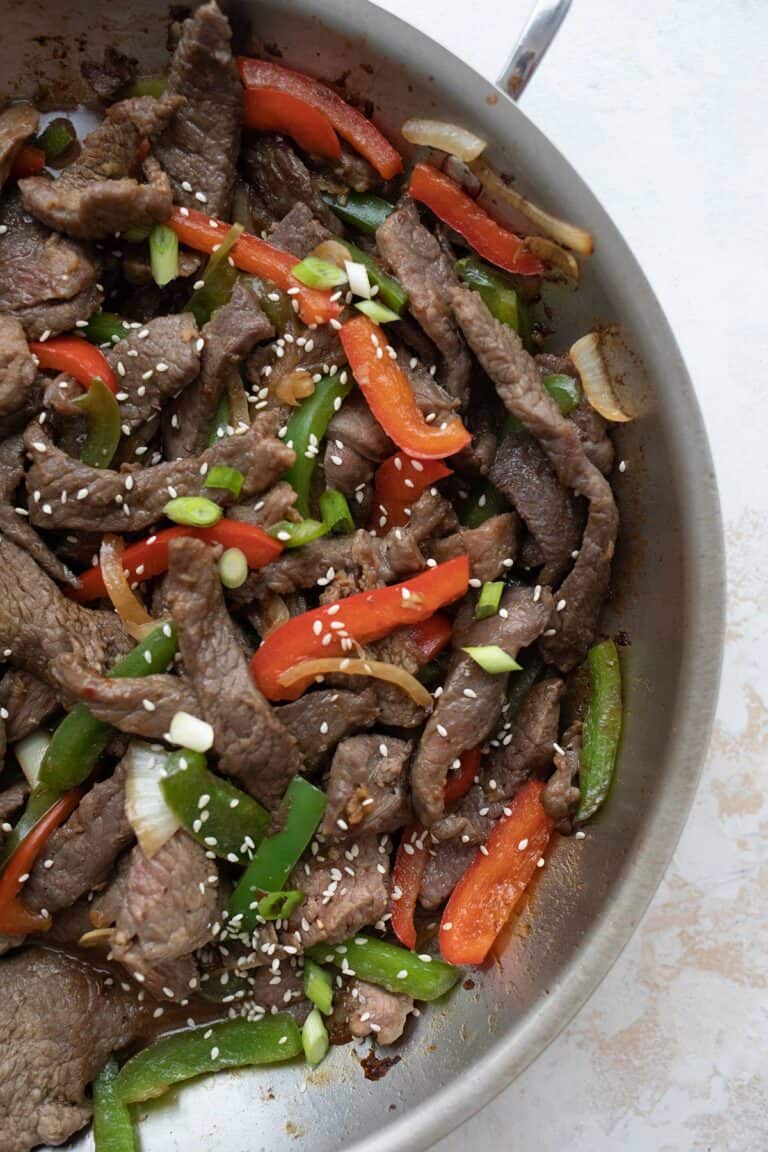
(522, 845)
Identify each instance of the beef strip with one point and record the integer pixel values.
(366, 787)
(167, 348)
(371, 1010)
(561, 797)
(356, 444)
(168, 908)
(17, 367)
(299, 232)
(273, 506)
(593, 433)
(446, 864)
(46, 281)
(37, 622)
(281, 180)
(351, 170)
(11, 799)
(101, 193)
(7, 943)
(13, 524)
(470, 704)
(27, 701)
(17, 123)
(525, 477)
(83, 850)
(346, 888)
(134, 498)
(60, 1020)
(490, 547)
(518, 381)
(228, 337)
(199, 149)
(425, 270)
(251, 742)
(320, 720)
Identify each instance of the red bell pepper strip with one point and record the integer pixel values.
(486, 895)
(27, 162)
(459, 211)
(75, 356)
(430, 637)
(390, 396)
(458, 784)
(254, 255)
(407, 874)
(14, 917)
(333, 629)
(148, 558)
(270, 110)
(350, 124)
(399, 481)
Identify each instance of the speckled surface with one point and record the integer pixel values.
(661, 107)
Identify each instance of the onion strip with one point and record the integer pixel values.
(146, 809)
(587, 356)
(451, 138)
(551, 253)
(134, 616)
(570, 235)
(294, 387)
(351, 666)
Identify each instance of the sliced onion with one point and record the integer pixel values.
(30, 751)
(570, 235)
(148, 814)
(294, 387)
(357, 274)
(95, 937)
(190, 731)
(588, 356)
(554, 255)
(333, 251)
(447, 137)
(352, 666)
(134, 616)
(274, 612)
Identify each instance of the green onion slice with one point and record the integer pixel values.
(314, 1038)
(376, 312)
(489, 599)
(221, 476)
(296, 535)
(280, 905)
(318, 986)
(163, 254)
(317, 273)
(196, 511)
(492, 658)
(233, 568)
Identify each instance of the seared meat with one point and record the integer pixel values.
(371, 1010)
(250, 740)
(445, 867)
(199, 149)
(27, 702)
(491, 548)
(13, 524)
(154, 363)
(133, 499)
(351, 170)
(281, 180)
(60, 1020)
(275, 505)
(101, 193)
(11, 799)
(299, 232)
(17, 367)
(366, 787)
(46, 281)
(560, 798)
(593, 433)
(17, 123)
(319, 720)
(356, 445)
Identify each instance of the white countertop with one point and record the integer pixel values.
(661, 106)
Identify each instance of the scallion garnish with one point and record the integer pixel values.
(376, 312)
(163, 254)
(195, 511)
(317, 273)
(492, 658)
(221, 476)
(489, 599)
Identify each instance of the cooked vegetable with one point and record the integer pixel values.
(134, 616)
(190, 732)
(350, 124)
(361, 210)
(222, 420)
(569, 235)
(497, 290)
(220, 476)
(363, 617)
(306, 430)
(390, 396)
(270, 110)
(554, 256)
(430, 636)
(587, 355)
(76, 357)
(112, 1123)
(80, 738)
(487, 893)
(28, 161)
(459, 211)
(145, 86)
(446, 137)
(318, 986)
(602, 728)
(211, 1048)
(106, 328)
(297, 533)
(103, 413)
(151, 818)
(376, 312)
(218, 279)
(14, 917)
(564, 390)
(489, 599)
(318, 273)
(407, 874)
(29, 751)
(390, 291)
(294, 387)
(306, 670)
(389, 966)
(233, 568)
(279, 905)
(163, 254)
(301, 811)
(56, 138)
(492, 658)
(335, 512)
(460, 782)
(314, 1038)
(521, 684)
(219, 816)
(483, 503)
(41, 798)
(194, 511)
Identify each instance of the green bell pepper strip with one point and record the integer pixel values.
(112, 1122)
(41, 798)
(391, 291)
(361, 210)
(314, 1038)
(106, 328)
(497, 290)
(218, 279)
(145, 86)
(229, 1044)
(521, 683)
(80, 738)
(602, 728)
(220, 422)
(215, 813)
(279, 905)
(564, 390)
(103, 412)
(295, 534)
(306, 430)
(303, 807)
(389, 966)
(334, 509)
(56, 138)
(137, 235)
(483, 503)
(318, 986)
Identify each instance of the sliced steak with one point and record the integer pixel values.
(169, 906)
(60, 1020)
(249, 739)
(518, 381)
(11, 799)
(299, 232)
(281, 180)
(273, 506)
(351, 170)
(319, 720)
(524, 476)
(593, 433)
(17, 123)
(199, 149)
(371, 1010)
(133, 499)
(83, 850)
(445, 867)
(17, 367)
(37, 623)
(13, 524)
(101, 192)
(366, 787)
(356, 444)
(561, 796)
(425, 269)
(491, 548)
(469, 706)
(27, 701)
(154, 363)
(346, 888)
(46, 281)
(228, 337)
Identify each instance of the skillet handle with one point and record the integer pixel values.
(535, 38)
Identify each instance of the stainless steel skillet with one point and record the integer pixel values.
(668, 600)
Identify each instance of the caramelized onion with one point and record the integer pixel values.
(274, 612)
(451, 138)
(570, 235)
(135, 619)
(596, 378)
(294, 387)
(333, 251)
(554, 255)
(352, 666)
